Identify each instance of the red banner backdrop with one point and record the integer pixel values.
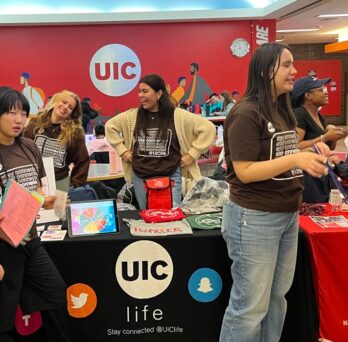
(59, 57)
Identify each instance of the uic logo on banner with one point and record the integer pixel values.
(144, 269)
(115, 69)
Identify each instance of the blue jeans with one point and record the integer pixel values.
(263, 248)
(140, 193)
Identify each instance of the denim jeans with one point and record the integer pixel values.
(140, 193)
(263, 248)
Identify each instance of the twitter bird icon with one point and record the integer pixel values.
(80, 301)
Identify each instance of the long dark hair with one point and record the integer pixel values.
(165, 107)
(227, 98)
(263, 67)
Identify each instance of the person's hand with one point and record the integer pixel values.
(334, 134)
(2, 235)
(312, 163)
(49, 202)
(127, 156)
(323, 149)
(328, 127)
(2, 272)
(334, 160)
(186, 160)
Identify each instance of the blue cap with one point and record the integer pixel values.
(304, 84)
(25, 74)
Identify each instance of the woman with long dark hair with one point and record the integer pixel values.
(227, 103)
(58, 133)
(260, 222)
(158, 139)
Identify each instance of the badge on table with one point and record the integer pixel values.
(205, 285)
(205, 221)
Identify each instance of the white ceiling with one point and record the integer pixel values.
(289, 14)
(307, 18)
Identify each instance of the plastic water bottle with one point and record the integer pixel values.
(113, 161)
(207, 110)
(220, 132)
(335, 200)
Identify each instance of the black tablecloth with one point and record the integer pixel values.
(91, 260)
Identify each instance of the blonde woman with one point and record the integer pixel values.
(58, 133)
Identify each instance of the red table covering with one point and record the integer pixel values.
(329, 251)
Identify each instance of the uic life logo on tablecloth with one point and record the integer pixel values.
(144, 269)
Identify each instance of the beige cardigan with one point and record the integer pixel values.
(195, 136)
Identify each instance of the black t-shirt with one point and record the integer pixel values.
(155, 157)
(249, 138)
(317, 190)
(307, 123)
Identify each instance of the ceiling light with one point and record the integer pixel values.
(298, 30)
(332, 15)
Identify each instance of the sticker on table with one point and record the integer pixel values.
(27, 324)
(205, 285)
(82, 300)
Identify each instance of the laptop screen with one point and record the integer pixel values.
(92, 218)
(89, 138)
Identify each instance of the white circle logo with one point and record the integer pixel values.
(144, 269)
(115, 69)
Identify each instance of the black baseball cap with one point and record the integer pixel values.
(304, 84)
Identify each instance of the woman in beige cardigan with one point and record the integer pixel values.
(158, 139)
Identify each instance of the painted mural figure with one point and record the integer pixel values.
(33, 94)
(198, 89)
(179, 92)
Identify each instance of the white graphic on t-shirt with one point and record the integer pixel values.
(152, 146)
(283, 144)
(25, 175)
(270, 127)
(51, 148)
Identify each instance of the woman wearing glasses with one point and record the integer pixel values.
(308, 96)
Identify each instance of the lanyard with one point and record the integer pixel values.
(334, 178)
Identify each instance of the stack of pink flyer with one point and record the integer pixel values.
(19, 208)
